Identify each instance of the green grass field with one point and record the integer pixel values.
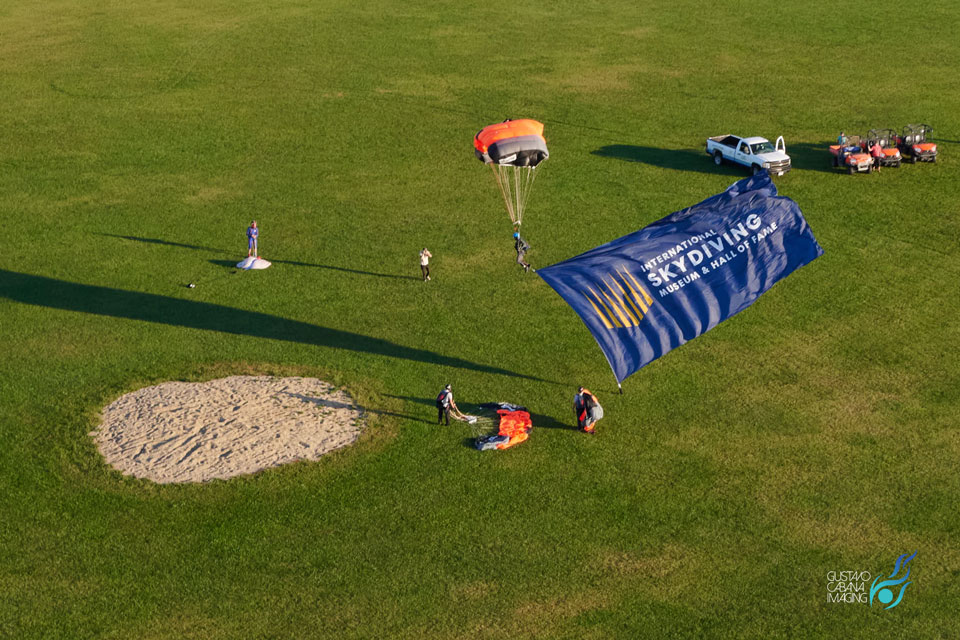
(815, 432)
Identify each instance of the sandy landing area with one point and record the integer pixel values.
(198, 431)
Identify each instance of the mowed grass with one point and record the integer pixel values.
(815, 432)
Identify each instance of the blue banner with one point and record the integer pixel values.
(657, 288)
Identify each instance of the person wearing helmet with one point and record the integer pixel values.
(445, 405)
(521, 247)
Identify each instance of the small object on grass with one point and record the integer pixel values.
(191, 286)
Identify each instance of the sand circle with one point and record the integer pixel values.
(199, 431)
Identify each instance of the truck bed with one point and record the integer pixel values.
(726, 139)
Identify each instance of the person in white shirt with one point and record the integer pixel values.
(425, 264)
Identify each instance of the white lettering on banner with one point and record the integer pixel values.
(681, 260)
(739, 232)
(676, 286)
(719, 248)
(673, 252)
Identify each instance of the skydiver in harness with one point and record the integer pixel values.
(521, 247)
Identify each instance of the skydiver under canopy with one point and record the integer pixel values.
(521, 246)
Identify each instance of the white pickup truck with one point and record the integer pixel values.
(755, 153)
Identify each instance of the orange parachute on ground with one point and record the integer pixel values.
(513, 149)
(515, 427)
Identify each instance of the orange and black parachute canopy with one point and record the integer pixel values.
(518, 143)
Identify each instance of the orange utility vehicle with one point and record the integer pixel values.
(914, 146)
(851, 155)
(888, 143)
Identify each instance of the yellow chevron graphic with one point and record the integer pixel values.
(615, 305)
(646, 296)
(608, 314)
(621, 302)
(603, 318)
(630, 304)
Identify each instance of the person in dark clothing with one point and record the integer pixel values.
(521, 246)
(445, 405)
(587, 409)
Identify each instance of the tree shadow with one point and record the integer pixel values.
(679, 159)
(333, 404)
(231, 264)
(133, 305)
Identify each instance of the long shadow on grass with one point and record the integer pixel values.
(813, 156)
(333, 404)
(231, 264)
(680, 159)
(169, 243)
(134, 305)
(538, 420)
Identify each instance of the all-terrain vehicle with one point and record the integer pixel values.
(851, 155)
(913, 143)
(888, 143)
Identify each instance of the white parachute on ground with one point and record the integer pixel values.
(253, 263)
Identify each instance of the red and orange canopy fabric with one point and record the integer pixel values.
(519, 143)
(515, 425)
(513, 149)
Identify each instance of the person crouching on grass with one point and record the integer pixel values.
(587, 409)
(425, 264)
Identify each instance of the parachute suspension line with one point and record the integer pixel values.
(503, 182)
(517, 195)
(527, 185)
(515, 184)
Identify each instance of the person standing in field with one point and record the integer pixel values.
(425, 264)
(877, 152)
(587, 409)
(252, 234)
(445, 404)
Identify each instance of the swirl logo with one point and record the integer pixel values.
(882, 590)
